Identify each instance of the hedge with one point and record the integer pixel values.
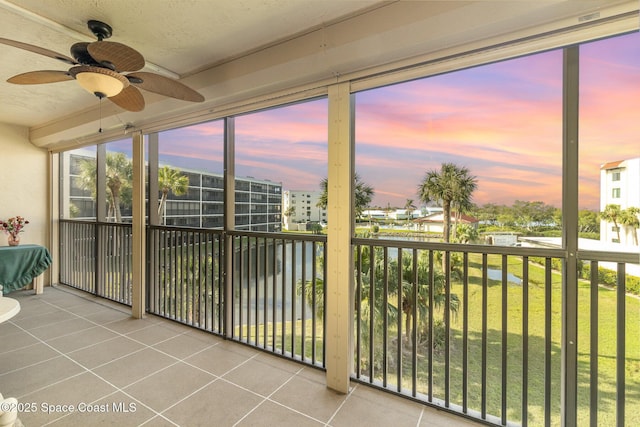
(605, 276)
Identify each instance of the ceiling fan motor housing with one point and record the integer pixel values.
(100, 29)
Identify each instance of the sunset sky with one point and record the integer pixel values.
(502, 121)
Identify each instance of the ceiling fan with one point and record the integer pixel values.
(99, 68)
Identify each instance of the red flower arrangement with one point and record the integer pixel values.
(13, 226)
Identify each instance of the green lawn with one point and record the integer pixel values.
(536, 348)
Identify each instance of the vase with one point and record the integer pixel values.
(13, 239)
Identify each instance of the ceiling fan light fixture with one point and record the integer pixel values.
(99, 81)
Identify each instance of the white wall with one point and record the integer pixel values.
(23, 183)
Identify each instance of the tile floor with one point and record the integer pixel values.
(66, 348)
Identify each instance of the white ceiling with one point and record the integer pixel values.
(206, 42)
(181, 36)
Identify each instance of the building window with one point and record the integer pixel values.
(615, 176)
(615, 193)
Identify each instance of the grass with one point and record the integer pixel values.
(512, 351)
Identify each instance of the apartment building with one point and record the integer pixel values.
(301, 206)
(257, 207)
(619, 185)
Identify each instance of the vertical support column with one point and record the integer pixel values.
(340, 208)
(229, 221)
(153, 153)
(101, 182)
(101, 216)
(569, 363)
(54, 203)
(138, 227)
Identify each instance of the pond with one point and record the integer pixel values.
(494, 274)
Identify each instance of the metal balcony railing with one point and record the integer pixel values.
(278, 293)
(97, 258)
(481, 336)
(185, 276)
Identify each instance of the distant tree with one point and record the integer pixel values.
(487, 214)
(363, 195)
(118, 177)
(170, 180)
(408, 209)
(528, 215)
(289, 212)
(588, 221)
(629, 218)
(387, 211)
(466, 233)
(451, 185)
(611, 213)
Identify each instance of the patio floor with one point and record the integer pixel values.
(72, 359)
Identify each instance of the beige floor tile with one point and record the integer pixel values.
(114, 410)
(16, 340)
(133, 367)
(81, 339)
(310, 397)
(277, 415)
(55, 330)
(85, 387)
(128, 324)
(219, 404)
(165, 388)
(105, 351)
(368, 407)
(30, 306)
(258, 377)
(8, 328)
(32, 321)
(220, 359)
(105, 316)
(182, 346)
(279, 362)
(434, 418)
(27, 380)
(153, 334)
(26, 356)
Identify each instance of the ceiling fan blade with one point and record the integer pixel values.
(122, 57)
(40, 77)
(39, 50)
(164, 86)
(130, 99)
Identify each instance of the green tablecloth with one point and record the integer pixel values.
(19, 265)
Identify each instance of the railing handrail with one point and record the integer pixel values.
(280, 236)
(463, 247)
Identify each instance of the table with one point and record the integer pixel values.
(8, 308)
(20, 265)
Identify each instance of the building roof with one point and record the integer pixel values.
(438, 217)
(611, 165)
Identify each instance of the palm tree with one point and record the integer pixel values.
(118, 177)
(408, 209)
(450, 186)
(362, 191)
(291, 210)
(629, 217)
(612, 213)
(466, 233)
(170, 180)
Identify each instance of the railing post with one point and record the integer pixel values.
(569, 363)
(229, 224)
(339, 280)
(138, 229)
